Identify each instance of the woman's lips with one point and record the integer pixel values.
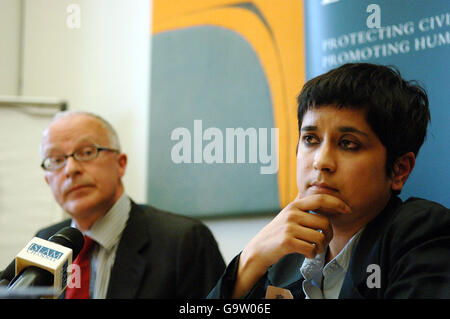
(323, 188)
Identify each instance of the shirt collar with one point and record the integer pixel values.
(343, 258)
(107, 230)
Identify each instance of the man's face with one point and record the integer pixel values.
(83, 188)
(339, 154)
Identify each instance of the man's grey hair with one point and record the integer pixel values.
(112, 134)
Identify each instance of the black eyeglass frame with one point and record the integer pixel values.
(66, 156)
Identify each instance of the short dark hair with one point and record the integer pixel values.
(396, 110)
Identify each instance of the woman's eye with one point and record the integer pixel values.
(310, 139)
(349, 145)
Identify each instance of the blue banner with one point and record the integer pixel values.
(414, 36)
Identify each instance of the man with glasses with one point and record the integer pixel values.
(138, 251)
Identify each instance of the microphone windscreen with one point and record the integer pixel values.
(69, 237)
(9, 272)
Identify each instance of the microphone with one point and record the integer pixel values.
(8, 274)
(46, 263)
(4, 282)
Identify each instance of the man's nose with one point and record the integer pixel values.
(72, 166)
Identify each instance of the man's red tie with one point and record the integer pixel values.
(83, 261)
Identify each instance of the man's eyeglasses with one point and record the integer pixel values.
(84, 154)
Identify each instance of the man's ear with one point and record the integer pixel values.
(122, 160)
(403, 166)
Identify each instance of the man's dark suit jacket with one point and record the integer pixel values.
(410, 242)
(161, 255)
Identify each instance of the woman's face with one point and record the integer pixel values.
(339, 154)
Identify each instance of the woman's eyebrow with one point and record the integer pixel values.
(351, 129)
(342, 129)
(309, 128)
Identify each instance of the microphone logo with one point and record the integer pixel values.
(44, 252)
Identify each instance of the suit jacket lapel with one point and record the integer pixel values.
(367, 252)
(129, 265)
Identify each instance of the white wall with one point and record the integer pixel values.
(9, 46)
(103, 67)
(232, 234)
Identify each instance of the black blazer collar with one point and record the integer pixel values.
(129, 265)
(367, 252)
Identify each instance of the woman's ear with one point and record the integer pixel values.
(403, 166)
